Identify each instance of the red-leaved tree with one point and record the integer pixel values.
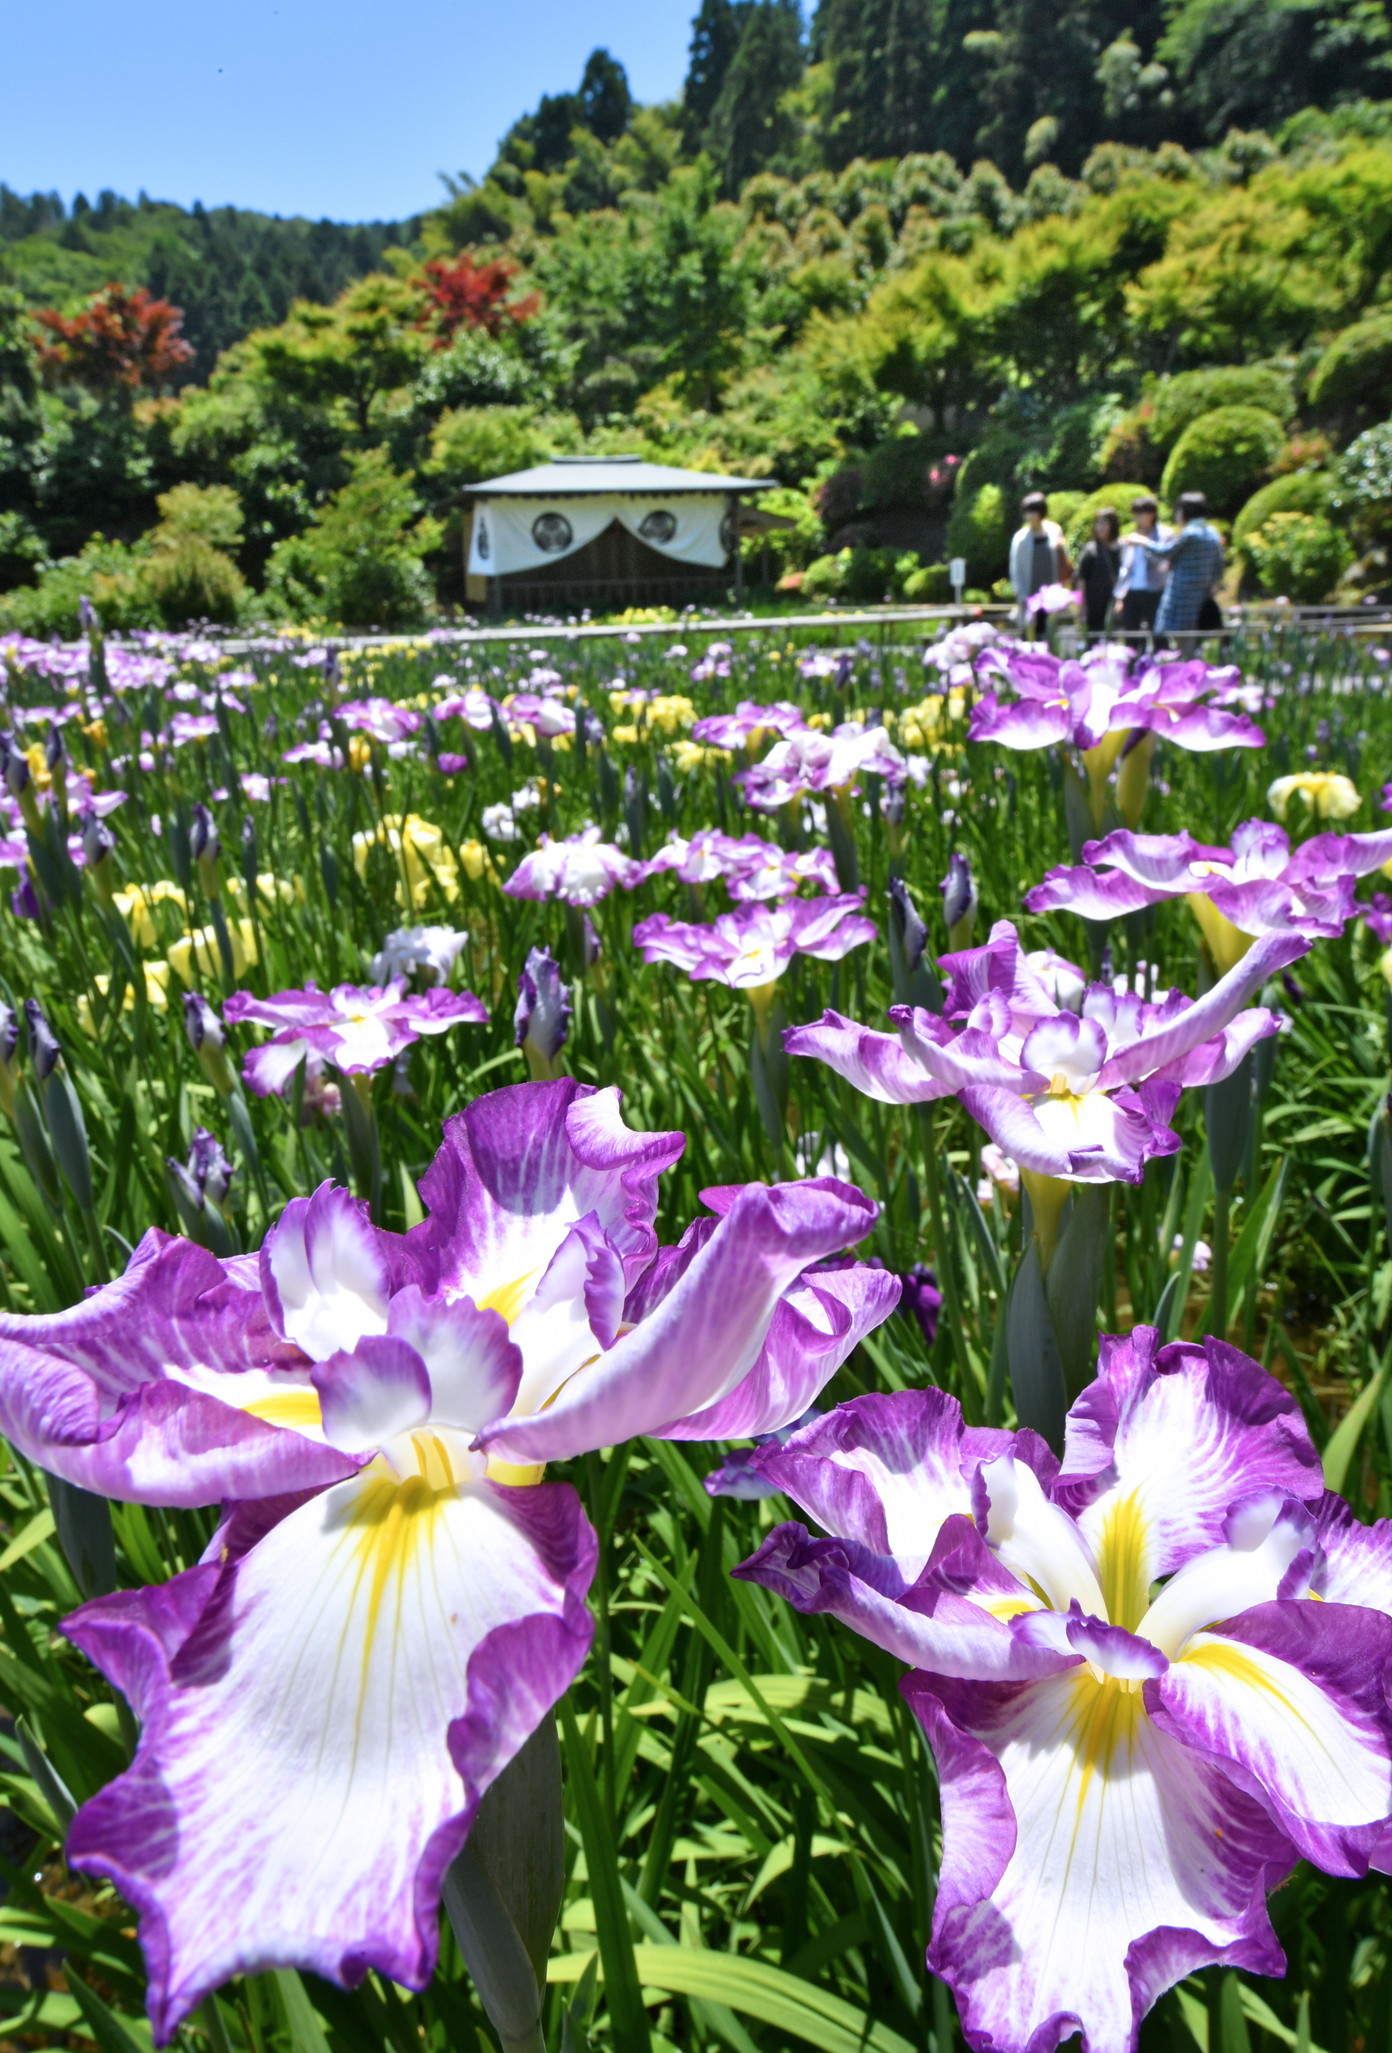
(119, 338)
(469, 295)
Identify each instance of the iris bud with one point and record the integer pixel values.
(44, 1045)
(542, 1016)
(958, 889)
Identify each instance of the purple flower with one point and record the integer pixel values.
(546, 716)
(809, 761)
(473, 706)
(543, 1014)
(206, 1175)
(749, 725)
(201, 1023)
(751, 867)
(1140, 1715)
(751, 947)
(391, 725)
(1074, 1097)
(394, 1599)
(1254, 888)
(959, 899)
(358, 1029)
(1052, 599)
(922, 1300)
(1095, 702)
(1377, 915)
(580, 870)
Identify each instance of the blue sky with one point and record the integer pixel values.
(299, 106)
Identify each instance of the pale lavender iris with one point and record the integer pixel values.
(751, 867)
(395, 1599)
(389, 724)
(1079, 1095)
(809, 762)
(580, 870)
(359, 1029)
(1140, 1715)
(547, 717)
(1255, 887)
(749, 725)
(751, 947)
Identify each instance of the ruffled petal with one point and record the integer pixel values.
(369, 1396)
(474, 1368)
(1163, 1444)
(1293, 1697)
(886, 1472)
(320, 1717)
(325, 1273)
(707, 1334)
(877, 1064)
(816, 1326)
(1089, 1861)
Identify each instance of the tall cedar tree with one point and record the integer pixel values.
(715, 34)
(882, 68)
(748, 129)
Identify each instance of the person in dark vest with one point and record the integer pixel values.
(1099, 567)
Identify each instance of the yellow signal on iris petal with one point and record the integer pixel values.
(1106, 1716)
(296, 1406)
(390, 1519)
(1122, 1563)
(506, 1300)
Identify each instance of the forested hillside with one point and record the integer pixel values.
(908, 264)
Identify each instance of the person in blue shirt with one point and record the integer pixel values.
(1142, 580)
(1195, 554)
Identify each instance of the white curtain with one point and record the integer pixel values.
(529, 534)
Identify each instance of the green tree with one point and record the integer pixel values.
(881, 56)
(360, 560)
(715, 34)
(749, 126)
(1250, 63)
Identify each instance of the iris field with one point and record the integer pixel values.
(752, 1839)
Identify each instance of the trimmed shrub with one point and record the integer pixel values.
(1354, 376)
(929, 585)
(189, 579)
(1226, 453)
(1299, 556)
(110, 574)
(980, 531)
(1302, 491)
(1362, 494)
(1179, 401)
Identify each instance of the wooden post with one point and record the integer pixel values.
(739, 553)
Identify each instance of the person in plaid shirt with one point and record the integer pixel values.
(1195, 553)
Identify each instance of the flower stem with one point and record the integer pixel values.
(945, 1267)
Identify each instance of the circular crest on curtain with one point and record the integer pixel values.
(552, 532)
(658, 527)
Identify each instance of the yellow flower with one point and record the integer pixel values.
(813, 720)
(200, 947)
(1385, 964)
(359, 752)
(477, 862)
(419, 847)
(687, 756)
(1329, 795)
(671, 713)
(135, 905)
(269, 888)
(95, 731)
(38, 764)
(156, 994)
(627, 736)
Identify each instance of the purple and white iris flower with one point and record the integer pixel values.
(749, 725)
(809, 762)
(751, 867)
(359, 1029)
(1105, 709)
(750, 948)
(1075, 1095)
(1237, 894)
(580, 870)
(394, 1599)
(1140, 1715)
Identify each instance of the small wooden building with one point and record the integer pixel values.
(602, 532)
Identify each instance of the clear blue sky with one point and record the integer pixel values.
(314, 107)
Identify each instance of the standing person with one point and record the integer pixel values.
(1195, 557)
(1099, 567)
(1142, 579)
(1038, 553)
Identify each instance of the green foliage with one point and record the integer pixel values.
(1176, 402)
(1077, 526)
(360, 560)
(749, 126)
(1225, 453)
(109, 573)
(929, 585)
(1298, 556)
(979, 530)
(1362, 494)
(1354, 376)
(471, 443)
(1301, 491)
(1244, 63)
